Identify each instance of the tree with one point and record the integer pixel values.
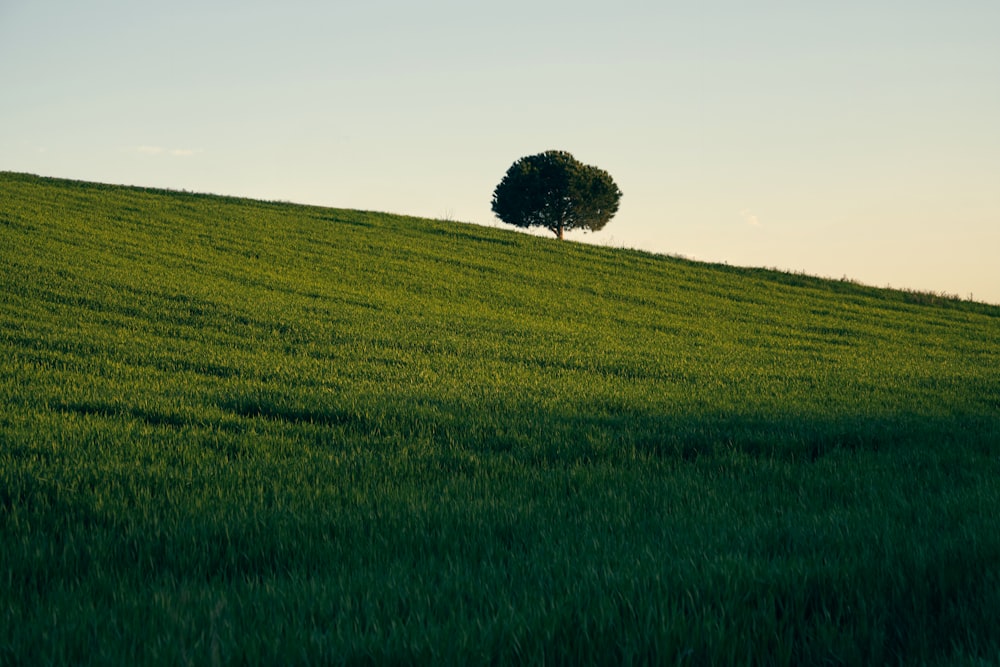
(556, 191)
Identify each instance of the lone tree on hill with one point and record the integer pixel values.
(556, 191)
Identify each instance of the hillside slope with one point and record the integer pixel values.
(433, 441)
(375, 304)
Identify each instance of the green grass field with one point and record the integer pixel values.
(242, 432)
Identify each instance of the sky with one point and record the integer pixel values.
(855, 139)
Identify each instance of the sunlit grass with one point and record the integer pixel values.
(238, 431)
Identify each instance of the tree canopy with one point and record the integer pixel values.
(556, 191)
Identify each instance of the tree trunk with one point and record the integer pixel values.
(559, 233)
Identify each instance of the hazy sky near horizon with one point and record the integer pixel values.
(857, 138)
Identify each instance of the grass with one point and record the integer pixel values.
(235, 431)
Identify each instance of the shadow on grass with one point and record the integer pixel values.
(112, 411)
(785, 436)
(282, 411)
(598, 434)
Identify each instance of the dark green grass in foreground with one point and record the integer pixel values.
(234, 431)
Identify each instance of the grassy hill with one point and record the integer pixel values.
(236, 431)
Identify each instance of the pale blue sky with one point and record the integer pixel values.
(852, 138)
